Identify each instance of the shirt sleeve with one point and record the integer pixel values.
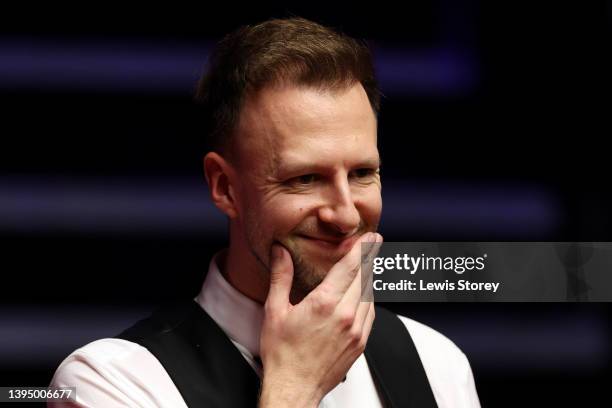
(115, 373)
(446, 366)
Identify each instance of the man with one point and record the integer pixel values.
(291, 108)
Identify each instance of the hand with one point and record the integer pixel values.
(307, 348)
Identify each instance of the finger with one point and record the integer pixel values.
(368, 322)
(362, 313)
(351, 298)
(343, 273)
(367, 270)
(354, 294)
(370, 250)
(365, 330)
(281, 277)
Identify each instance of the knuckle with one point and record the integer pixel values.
(355, 336)
(346, 319)
(323, 304)
(276, 277)
(361, 344)
(354, 269)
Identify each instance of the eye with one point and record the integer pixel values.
(304, 180)
(364, 173)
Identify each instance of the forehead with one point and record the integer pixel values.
(292, 124)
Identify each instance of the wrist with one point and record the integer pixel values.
(283, 393)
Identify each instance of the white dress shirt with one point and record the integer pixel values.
(119, 373)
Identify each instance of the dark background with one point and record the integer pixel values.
(494, 127)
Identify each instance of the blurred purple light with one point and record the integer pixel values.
(32, 336)
(434, 71)
(466, 208)
(97, 66)
(174, 68)
(570, 343)
(181, 206)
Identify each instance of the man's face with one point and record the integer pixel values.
(308, 166)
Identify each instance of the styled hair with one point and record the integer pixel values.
(292, 51)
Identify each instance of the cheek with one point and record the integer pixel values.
(370, 205)
(284, 214)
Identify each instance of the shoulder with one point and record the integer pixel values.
(429, 340)
(435, 349)
(105, 352)
(446, 366)
(116, 372)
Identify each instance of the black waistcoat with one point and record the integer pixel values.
(209, 371)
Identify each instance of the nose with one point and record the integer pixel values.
(339, 210)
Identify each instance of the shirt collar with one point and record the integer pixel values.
(237, 315)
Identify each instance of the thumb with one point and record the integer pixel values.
(281, 277)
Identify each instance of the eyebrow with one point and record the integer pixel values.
(374, 163)
(282, 168)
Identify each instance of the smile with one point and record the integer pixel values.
(335, 246)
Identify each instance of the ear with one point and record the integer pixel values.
(219, 176)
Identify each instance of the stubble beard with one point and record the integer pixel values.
(307, 274)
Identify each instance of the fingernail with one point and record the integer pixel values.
(370, 237)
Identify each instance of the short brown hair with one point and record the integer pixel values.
(278, 51)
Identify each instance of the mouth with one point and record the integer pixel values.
(334, 246)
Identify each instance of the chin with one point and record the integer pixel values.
(311, 265)
(310, 272)
(321, 262)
